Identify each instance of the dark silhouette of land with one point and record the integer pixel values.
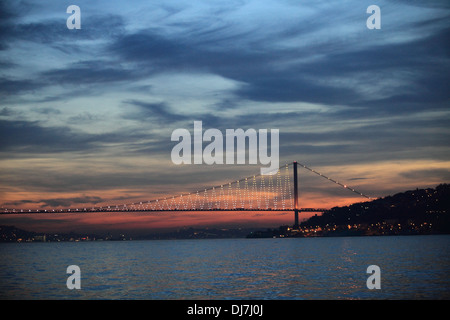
(13, 234)
(420, 211)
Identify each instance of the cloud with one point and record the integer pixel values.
(149, 47)
(428, 4)
(99, 104)
(44, 28)
(88, 72)
(362, 74)
(5, 112)
(58, 202)
(9, 86)
(32, 137)
(49, 111)
(440, 175)
(158, 111)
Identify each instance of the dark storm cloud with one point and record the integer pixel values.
(158, 111)
(49, 111)
(276, 88)
(87, 76)
(149, 47)
(371, 139)
(423, 59)
(88, 72)
(121, 176)
(163, 113)
(8, 86)
(438, 174)
(54, 31)
(57, 202)
(396, 138)
(157, 53)
(33, 137)
(7, 16)
(272, 73)
(268, 72)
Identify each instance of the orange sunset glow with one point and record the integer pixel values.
(314, 192)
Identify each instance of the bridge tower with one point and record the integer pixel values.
(295, 196)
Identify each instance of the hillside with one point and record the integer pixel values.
(420, 205)
(420, 211)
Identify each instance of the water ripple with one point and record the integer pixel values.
(413, 267)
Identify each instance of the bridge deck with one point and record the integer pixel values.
(15, 211)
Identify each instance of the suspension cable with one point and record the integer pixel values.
(336, 182)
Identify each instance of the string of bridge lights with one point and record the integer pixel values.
(212, 197)
(219, 197)
(336, 182)
(262, 186)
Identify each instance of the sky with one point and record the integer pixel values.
(86, 115)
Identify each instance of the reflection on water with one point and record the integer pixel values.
(412, 267)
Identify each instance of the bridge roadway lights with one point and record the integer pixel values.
(12, 211)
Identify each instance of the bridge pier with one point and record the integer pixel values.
(296, 225)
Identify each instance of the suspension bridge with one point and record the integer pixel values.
(276, 192)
